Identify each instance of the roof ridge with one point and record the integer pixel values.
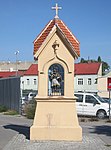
(63, 28)
(66, 38)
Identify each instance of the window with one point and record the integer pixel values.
(80, 97)
(28, 82)
(96, 81)
(90, 99)
(35, 82)
(89, 81)
(80, 81)
(56, 80)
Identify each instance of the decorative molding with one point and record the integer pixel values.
(55, 46)
(61, 60)
(64, 63)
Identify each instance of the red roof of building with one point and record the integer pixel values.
(60, 24)
(87, 68)
(80, 69)
(6, 74)
(33, 70)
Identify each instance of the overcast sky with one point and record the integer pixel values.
(22, 20)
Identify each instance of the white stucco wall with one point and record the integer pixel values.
(102, 87)
(85, 86)
(31, 85)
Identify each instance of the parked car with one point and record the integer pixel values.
(23, 100)
(89, 104)
(107, 99)
(31, 95)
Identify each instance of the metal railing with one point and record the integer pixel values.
(55, 92)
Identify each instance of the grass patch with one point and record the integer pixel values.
(82, 119)
(3, 108)
(108, 145)
(87, 119)
(11, 112)
(109, 121)
(93, 119)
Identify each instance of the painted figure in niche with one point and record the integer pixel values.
(55, 79)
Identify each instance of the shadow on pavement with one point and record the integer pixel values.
(103, 129)
(19, 128)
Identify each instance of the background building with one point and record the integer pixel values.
(103, 84)
(29, 81)
(86, 76)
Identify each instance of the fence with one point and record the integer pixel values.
(10, 93)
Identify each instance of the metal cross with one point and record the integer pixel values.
(57, 8)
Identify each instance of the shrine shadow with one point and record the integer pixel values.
(103, 129)
(25, 130)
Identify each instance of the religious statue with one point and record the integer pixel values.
(55, 79)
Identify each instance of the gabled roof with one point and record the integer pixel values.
(67, 33)
(33, 70)
(87, 68)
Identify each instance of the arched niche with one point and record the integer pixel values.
(56, 80)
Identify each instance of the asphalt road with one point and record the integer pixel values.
(12, 125)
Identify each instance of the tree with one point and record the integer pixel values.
(105, 67)
(99, 59)
(83, 60)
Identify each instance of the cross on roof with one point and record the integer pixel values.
(57, 8)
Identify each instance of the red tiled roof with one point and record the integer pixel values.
(43, 35)
(33, 70)
(86, 68)
(80, 69)
(6, 74)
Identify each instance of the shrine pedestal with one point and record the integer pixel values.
(56, 119)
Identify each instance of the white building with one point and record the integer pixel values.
(85, 79)
(29, 81)
(86, 75)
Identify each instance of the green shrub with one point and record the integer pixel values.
(30, 109)
(3, 108)
(93, 119)
(108, 145)
(11, 112)
(83, 120)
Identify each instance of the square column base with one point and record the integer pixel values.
(56, 119)
(58, 133)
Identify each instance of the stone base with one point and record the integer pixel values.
(56, 119)
(66, 134)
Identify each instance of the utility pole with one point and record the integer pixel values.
(16, 54)
(109, 89)
(109, 105)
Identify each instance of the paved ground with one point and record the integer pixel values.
(14, 131)
(19, 142)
